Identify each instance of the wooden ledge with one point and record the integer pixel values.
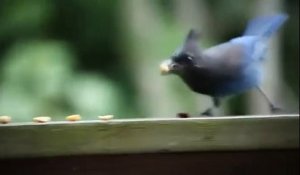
(119, 136)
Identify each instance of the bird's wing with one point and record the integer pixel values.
(265, 26)
(254, 47)
(237, 52)
(226, 56)
(248, 48)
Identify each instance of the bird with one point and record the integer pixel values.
(229, 68)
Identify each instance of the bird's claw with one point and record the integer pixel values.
(208, 112)
(275, 109)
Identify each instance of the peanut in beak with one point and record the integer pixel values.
(164, 67)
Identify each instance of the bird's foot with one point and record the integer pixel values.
(275, 109)
(208, 112)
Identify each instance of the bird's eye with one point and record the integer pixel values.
(174, 66)
(190, 58)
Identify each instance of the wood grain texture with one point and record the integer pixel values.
(149, 136)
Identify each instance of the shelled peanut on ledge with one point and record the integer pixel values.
(41, 119)
(73, 118)
(5, 119)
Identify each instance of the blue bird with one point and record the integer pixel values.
(229, 68)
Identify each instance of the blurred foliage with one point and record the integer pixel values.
(101, 57)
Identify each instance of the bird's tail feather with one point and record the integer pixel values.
(265, 26)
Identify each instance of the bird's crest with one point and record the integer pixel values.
(192, 35)
(191, 43)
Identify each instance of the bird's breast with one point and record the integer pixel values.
(200, 82)
(209, 83)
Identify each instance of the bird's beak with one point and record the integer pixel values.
(165, 67)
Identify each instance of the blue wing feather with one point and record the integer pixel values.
(265, 26)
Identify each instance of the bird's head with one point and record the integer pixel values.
(184, 57)
(176, 64)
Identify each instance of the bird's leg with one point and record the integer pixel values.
(272, 107)
(216, 104)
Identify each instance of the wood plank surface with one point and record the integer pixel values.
(125, 136)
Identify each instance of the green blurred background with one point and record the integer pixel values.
(101, 57)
